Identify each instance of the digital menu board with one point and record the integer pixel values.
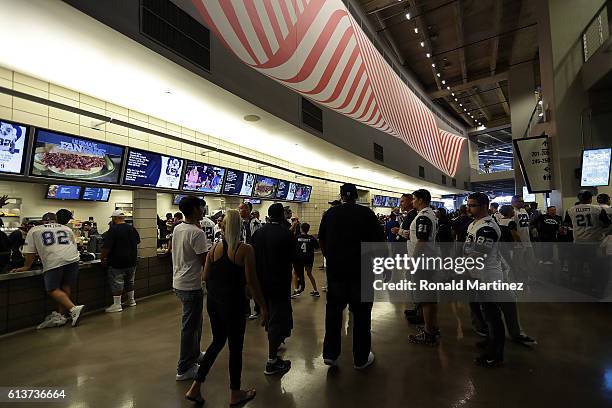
(265, 187)
(378, 201)
(146, 169)
(13, 142)
(178, 197)
(285, 190)
(64, 156)
(203, 177)
(238, 183)
(96, 194)
(61, 192)
(392, 202)
(252, 200)
(302, 193)
(596, 167)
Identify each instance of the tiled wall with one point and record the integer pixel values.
(24, 111)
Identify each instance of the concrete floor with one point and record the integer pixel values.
(128, 360)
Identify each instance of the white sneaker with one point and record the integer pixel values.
(53, 320)
(113, 308)
(189, 374)
(371, 359)
(330, 362)
(75, 313)
(130, 303)
(254, 316)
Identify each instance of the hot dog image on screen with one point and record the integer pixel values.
(12, 144)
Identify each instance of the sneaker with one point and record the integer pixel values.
(481, 333)
(330, 362)
(296, 294)
(423, 338)
(53, 320)
(130, 303)
(277, 367)
(436, 331)
(254, 316)
(367, 363)
(525, 340)
(314, 293)
(324, 288)
(75, 313)
(189, 374)
(484, 361)
(114, 308)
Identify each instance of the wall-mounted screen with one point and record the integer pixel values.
(96, 194)
(392, 202)
(61, 192)
(238, 183)
(596, 167)
(146, 169)
(285, 190)
(176, 198)
(265, 187)
(528, 197)
(378, 201)
(252, 200)
(302, 193)
(60, 155)
(203, 177)
(13, 144)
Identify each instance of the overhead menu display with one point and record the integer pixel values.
(302, 193)
(60, 192)
(392, 202)
(285, 190)
(238, 183)
(596, 167)
(64, 156)
(13, 138)
(146, 169)
(203, 177)
(265, 187)
(378, 201)
(96, 194)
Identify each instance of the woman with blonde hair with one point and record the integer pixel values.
(230, 266)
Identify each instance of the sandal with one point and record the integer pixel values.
(198, 401)
(249, 395)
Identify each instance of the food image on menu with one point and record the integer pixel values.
(12, 147)
(70, 157)
(265, 187)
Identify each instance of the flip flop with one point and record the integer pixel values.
(198, 401)
(250, 394)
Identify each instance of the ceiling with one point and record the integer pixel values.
(472, 44)
(495, 145)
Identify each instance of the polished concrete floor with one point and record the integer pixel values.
(128, 360)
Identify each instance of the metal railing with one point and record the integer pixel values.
(597, 31)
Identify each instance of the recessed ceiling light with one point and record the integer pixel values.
(438, 74)
(422, 43)
(456, 100)
(407, 16)
(433, 65)
(443, 82)
(452, 94)
(448, 87)
(428, 55)
(416, 30)
(355, 167)
(460, 104)
(252, 118)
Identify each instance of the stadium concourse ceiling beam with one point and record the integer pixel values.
(492, 79)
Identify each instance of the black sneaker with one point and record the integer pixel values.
(484, 361)
(423, 338)
(436, 330)
(525, 340)
(481, 332)
(277, 367)
(314, 293)
(295, 294)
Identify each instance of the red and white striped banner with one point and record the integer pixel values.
(317, 49)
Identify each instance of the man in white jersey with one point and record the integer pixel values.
(56, 246)
(603, 200)
(482, 241)
(423, 231)
(523, 254)
(209, 227)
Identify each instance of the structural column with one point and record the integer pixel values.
(145, 221)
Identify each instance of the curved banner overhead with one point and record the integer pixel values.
(316, 48)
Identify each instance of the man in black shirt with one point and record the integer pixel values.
(274, 254)
(343, 229)
(461, 224)
(120, 253)
(548, 226)
(402, 233)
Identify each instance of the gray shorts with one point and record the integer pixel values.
(121, 279)
(63, 276)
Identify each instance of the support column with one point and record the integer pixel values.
(145, 221)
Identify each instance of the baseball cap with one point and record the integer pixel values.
(118, 213)
(49, 217)
(348, 190)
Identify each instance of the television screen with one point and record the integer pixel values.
(146, 169)
(238, 183)
(60, 192)
(596, 167)
(265, 187)
(527, 197)
(203, 177)
(378, 201)
(392, 202)
(60, 155)
(178, 197)
(13, 144)
(285, 190)
(302, 193)
(96, 194)
(252, 200)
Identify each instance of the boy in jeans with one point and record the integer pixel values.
(305, 247)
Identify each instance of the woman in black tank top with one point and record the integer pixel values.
(230, 266)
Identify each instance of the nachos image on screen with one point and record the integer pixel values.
(12, 147)
(65, 156)
(146, 169)
(203, 177)
(265, 187)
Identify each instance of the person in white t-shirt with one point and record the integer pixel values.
(56, 246)
(189, 249)
(523, 254)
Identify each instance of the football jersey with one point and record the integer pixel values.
(55, 244)
(522, 226)
(498, 216)
(424, 227)
(305, 247)
(483, 238)
(208, 226)
(506, 226)
(589, 222)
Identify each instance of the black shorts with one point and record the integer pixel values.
(280, 321)
(306, 262)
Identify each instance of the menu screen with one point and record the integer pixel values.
(12, 147)
(286, 190)
(203, 177)
(238, 183)
(265, 187)
(392, 202)
(59, 192)
(302, 193)
(252, 200)
(69, 157)
(378, 201)
(146, 169)
(596, 167)
(178, 197)
(96, 194)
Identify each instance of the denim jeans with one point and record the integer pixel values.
(191, 327)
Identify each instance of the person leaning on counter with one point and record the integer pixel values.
(55, 244)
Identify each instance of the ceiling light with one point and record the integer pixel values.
(541, 114)
(438, 74)
(540, 102)
(416, 30)
(252, 118)
(456, 100)
(433, 65)
(428, 55)
(443, 82)
(460, 104)
(422, 43)
(465, 110)
(448, 87)
(407, 16)
(452, 94)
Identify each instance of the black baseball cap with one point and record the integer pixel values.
(348, 190)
